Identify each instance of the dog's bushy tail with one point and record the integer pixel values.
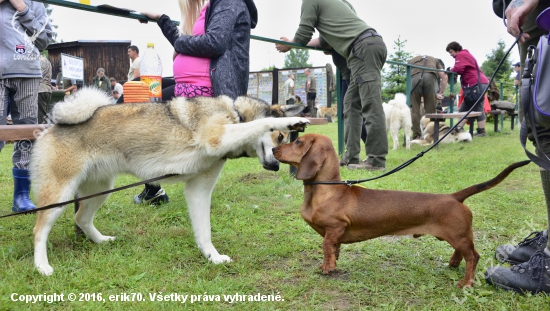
(80, 106)
(468, 192)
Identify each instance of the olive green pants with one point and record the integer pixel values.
(364, 100)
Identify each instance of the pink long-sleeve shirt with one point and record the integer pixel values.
(465, 66)
(191, 69)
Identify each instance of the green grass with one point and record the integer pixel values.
(256, 221)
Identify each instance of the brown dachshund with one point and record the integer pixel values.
(348, 214)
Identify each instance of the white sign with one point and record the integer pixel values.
(72, 67)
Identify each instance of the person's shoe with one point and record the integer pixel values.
(152, 195)
(21, 189)
(343, 162)
(364, 165)
(481, 133)
(516, 254)
(532, 276)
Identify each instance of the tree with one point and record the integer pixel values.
(297, 58)
(49, 13)
(270, 68)
(395, 76)
(490, 64)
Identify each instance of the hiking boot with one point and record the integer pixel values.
(152, 195)
(481, 133)
(532, 276)
(364, 165)
(516, 254)
(343, 162)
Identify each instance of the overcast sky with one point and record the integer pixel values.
(427, 25)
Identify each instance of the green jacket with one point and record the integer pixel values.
(336, 22)
(105, 84)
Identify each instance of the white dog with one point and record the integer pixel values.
(398, 116)
(428, 134)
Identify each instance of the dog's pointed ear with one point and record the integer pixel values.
(291, 110)
(311, 161)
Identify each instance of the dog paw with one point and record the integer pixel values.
(105, 238)
(298, 125)
(327, 269)
(465, 284)
(219, 259)
(45, 270)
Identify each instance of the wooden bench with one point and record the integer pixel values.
(438, 117)
(21, 131)
(496, 117)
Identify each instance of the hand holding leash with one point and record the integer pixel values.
(516, 13)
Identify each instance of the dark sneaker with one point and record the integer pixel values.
(532, 276)
(481, 133)
(151, 197)
(364, 165)
(343, 162)
(516, 254)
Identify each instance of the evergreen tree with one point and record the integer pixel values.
(49, 13)
(395, 76)
(490, 64)
(297, 58)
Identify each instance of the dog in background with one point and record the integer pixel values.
(427, 138)
(398, 116)
(348, 214)
(329, 111)
(92, 142)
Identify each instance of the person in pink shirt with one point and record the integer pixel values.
(211, 55)
(191, 74)
(466, 66)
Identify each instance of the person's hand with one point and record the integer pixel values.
(440, 96)
(516, 13)
(19, 5)
(150, 15)
(281, 47)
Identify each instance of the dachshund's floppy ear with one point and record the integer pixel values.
(311, 161)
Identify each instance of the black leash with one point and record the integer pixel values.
(87, 197)
(418, 156)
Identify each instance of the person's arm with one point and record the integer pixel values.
(137, 74)
(516, 13)
(218, 35)
(35, 22)
(308, 20)
(444, 80)
(70, 88)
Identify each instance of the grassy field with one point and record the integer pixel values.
(256, 221)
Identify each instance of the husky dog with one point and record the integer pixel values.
(398, 116)
(92, 142)
(427, 138)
